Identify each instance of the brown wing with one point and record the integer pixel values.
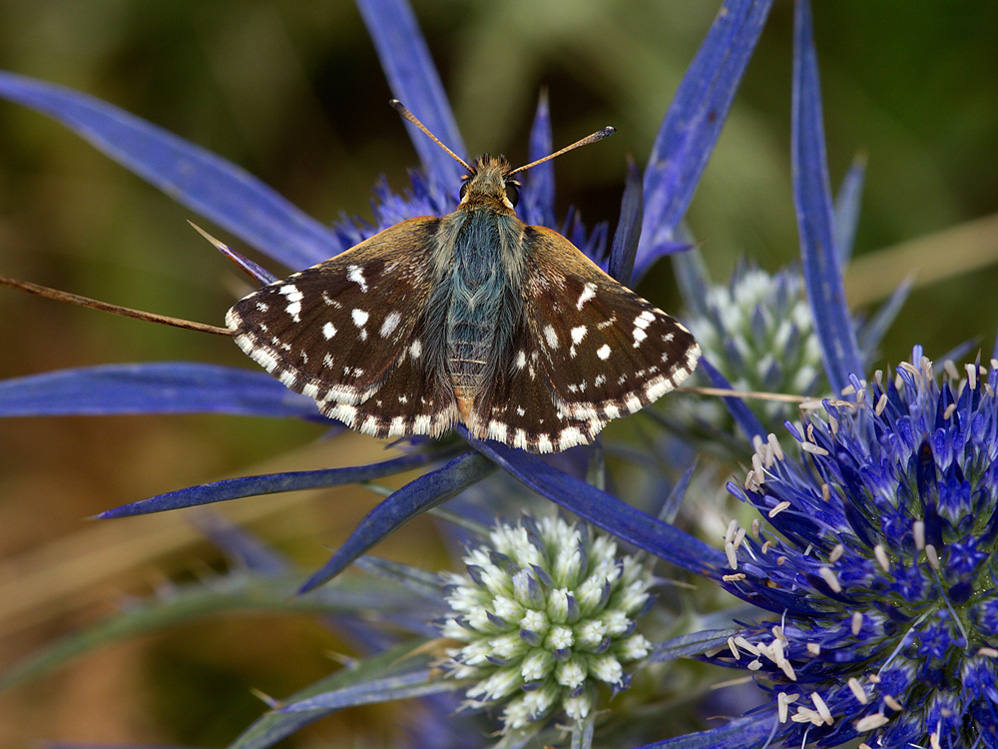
(519, 408)
(606, 351)
(345, 330)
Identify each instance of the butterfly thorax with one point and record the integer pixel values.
(479, 266)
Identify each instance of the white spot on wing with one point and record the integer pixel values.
(603, 352)
(521, 360)
(328, 330)
(497, 431)
(588, 292)
(551, 336)
(578, 333)
(359, 317)
(643, 320)
(356, 274)
(569, 437)
(294, 297)
(416, 349)
(391, 322)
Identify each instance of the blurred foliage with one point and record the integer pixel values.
(294, 93)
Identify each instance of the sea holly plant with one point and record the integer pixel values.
(545, 614)
(875, 547)
(886, 512)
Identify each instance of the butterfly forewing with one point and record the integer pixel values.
(606, 351)
(337, 331)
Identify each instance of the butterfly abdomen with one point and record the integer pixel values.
(483, 290)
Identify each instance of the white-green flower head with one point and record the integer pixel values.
(546, 613)
(759, 332)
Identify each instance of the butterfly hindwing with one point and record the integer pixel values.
(410, 399)
(519, 407)
(323, 334)
(606, 351)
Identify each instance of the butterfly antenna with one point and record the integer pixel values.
(598, 135)
(114, 309)
(407, 115)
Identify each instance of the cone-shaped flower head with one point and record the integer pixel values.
(546, 613)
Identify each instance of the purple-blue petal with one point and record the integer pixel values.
(693, 281)
(691, 644)
(606, 511)
(240, 546)
(693, 123)
(847, 205)
(160, 387)
(269, 483)
(191, 175)
(393, 674)
(624, 248)
(537, 205)
(749, 732)
(250, 267)
(416, 497)
(413, 79)
(672, 503)
(741, 413)
(812, 196)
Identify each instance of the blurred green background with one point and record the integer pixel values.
(293, 92)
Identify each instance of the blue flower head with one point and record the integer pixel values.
(882, 570)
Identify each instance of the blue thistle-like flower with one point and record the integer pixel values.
(883, 568)
(546, 612)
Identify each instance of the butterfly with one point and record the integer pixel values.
(473, 318)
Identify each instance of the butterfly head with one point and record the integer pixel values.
(489, 184)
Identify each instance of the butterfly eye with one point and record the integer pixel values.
(464, 189)
(512, 193)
